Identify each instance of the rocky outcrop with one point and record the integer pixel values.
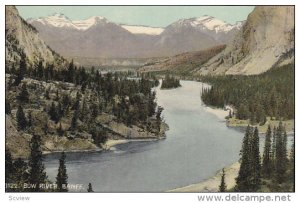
(266, 39)
(22, 38)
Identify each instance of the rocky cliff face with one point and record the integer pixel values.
(265, 40)
(22, 38)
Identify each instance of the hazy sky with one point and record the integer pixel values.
(158, 16)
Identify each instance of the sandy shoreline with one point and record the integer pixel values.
(220, 113)
(212, 184)
(110, 144)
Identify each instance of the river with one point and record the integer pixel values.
(198, 144)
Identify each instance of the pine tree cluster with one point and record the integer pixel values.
(275, 165)
(170, 82)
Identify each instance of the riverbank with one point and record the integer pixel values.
(111, 144)
(220, 113)
(212, 184)
(242, 124)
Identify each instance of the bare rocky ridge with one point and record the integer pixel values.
(21, 37)
(265, 40)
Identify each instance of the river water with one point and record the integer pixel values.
(198, 144)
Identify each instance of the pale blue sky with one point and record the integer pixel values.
(157, 16)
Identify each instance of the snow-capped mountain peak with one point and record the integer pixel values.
(55, 20)
(207, 23)
(204, 23)
(60, 20)
(86, 24)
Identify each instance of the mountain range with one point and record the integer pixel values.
(264, 41)
(99, 38)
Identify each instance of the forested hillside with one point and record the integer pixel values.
(255, 97)
(73, 108)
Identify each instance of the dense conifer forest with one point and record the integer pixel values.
(254, 97)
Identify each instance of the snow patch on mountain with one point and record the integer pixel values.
(138, 29)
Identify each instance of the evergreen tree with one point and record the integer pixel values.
(29, 123)
(151, 104)
(95, 110)
(40, 70)
(59, 111)
(230, 114)
(52, 113)
(255, 161)
(37, 174)
(90, 189)
(20, 173)
(23, 96)
(267, 156)
(70, 74)
(45, 128)
(22, 70)
(222, 186)
(84, 111)
(158, 118)
(292, 165)
(9, 169)
(46, 95)
(243, 111)
(273, 151)
(21, 119)
(56, 95)
(281, 159)
(62, 177)
(284, 148)
(76, 104)
(74, 121)
(243, 181)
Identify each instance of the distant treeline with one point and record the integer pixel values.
(170, 82)
(255, 97)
